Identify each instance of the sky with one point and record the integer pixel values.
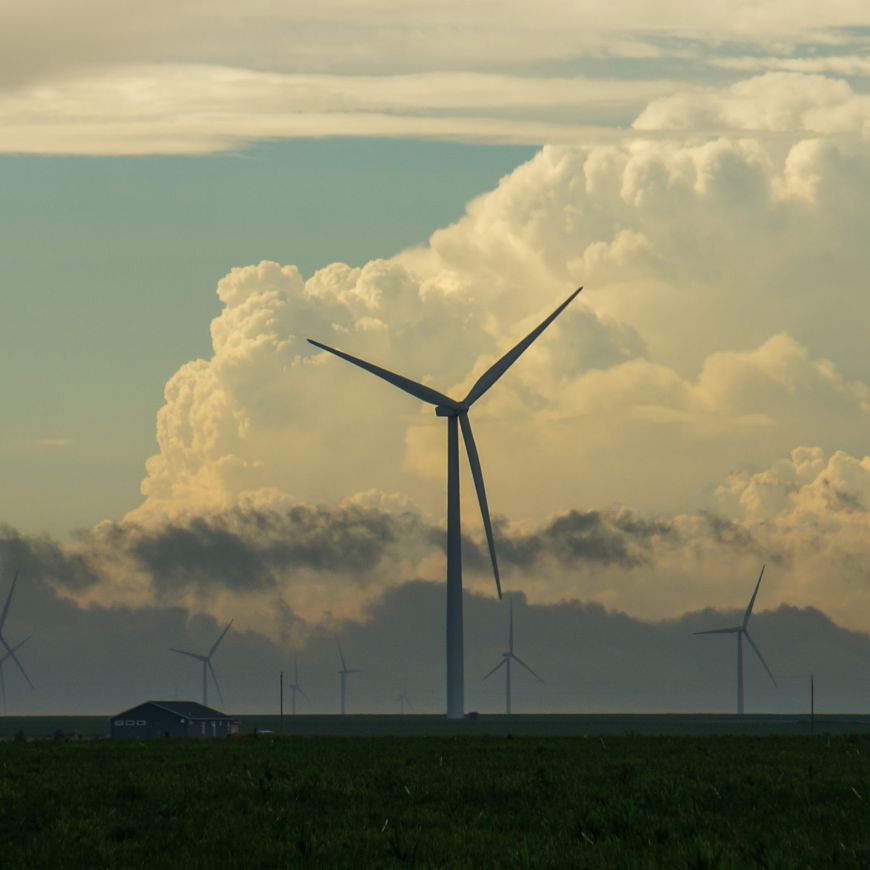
(187, 193)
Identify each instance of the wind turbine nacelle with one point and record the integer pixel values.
(447, 411)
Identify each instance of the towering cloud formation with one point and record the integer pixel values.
(721, 334)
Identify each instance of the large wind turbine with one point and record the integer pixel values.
(345, 670)
(456, 413)
(741, 631)
(206, 666)
(506, 663)
(295, 687)
(10, 651)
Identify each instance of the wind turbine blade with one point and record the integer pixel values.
(17, 646)
(487, 676)
(341, 654)
(419, 391)
(519, 661)
(301, 692)
(217, 642)
(720, 631)
(760, 657)
(216, 683)
(495, 371)
(408, 702)
(752, 600)
(477, 475)
(8, 602)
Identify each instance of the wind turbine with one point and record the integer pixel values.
(206, 666)
(295, 687)
(403, 700)
(7, 655)
(456, 413)
(506, 663)
(741, 631)
(10, 651)
(343, 674)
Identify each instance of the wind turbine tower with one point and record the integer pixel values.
(345, 670)
(207, 666)
(295, 687)
(505, 662)
(456, 413)
(742, 631)
(10, 650)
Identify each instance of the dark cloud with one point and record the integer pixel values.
(606, 538)
(101, 659)
(255, 548)
(44, 560)
(730, 534)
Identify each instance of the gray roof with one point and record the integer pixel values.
(185, 709)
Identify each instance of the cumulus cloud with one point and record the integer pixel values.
(651, 388)
(773, 102)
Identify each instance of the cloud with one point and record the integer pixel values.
(703, 350)
(102, 659)
(774, 102)
(463, 72)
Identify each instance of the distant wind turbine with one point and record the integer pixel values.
(343, 674)
(741, 631)
(506, 663)
(404, 700)
(207, 666)
(456, 413)
(10, 651)
(8, 655)
(295, 687)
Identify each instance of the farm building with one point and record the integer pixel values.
(170, 719)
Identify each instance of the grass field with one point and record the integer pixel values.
(637, 801)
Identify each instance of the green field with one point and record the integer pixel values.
(638, 801)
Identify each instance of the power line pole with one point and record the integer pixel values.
(281, 692)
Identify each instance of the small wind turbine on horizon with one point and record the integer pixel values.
(456, 413)
(506, 663)
(741, 631)
(343, 674)
(207, 666)
(10, 650)
(295, 687)
(8, 655)
(403, 700)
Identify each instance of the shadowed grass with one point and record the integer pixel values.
(463, 801)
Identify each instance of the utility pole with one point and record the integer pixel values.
(281, 692)
(812, 705)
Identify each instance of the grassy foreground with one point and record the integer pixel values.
(458, 802)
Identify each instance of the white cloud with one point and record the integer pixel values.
(785, 102)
